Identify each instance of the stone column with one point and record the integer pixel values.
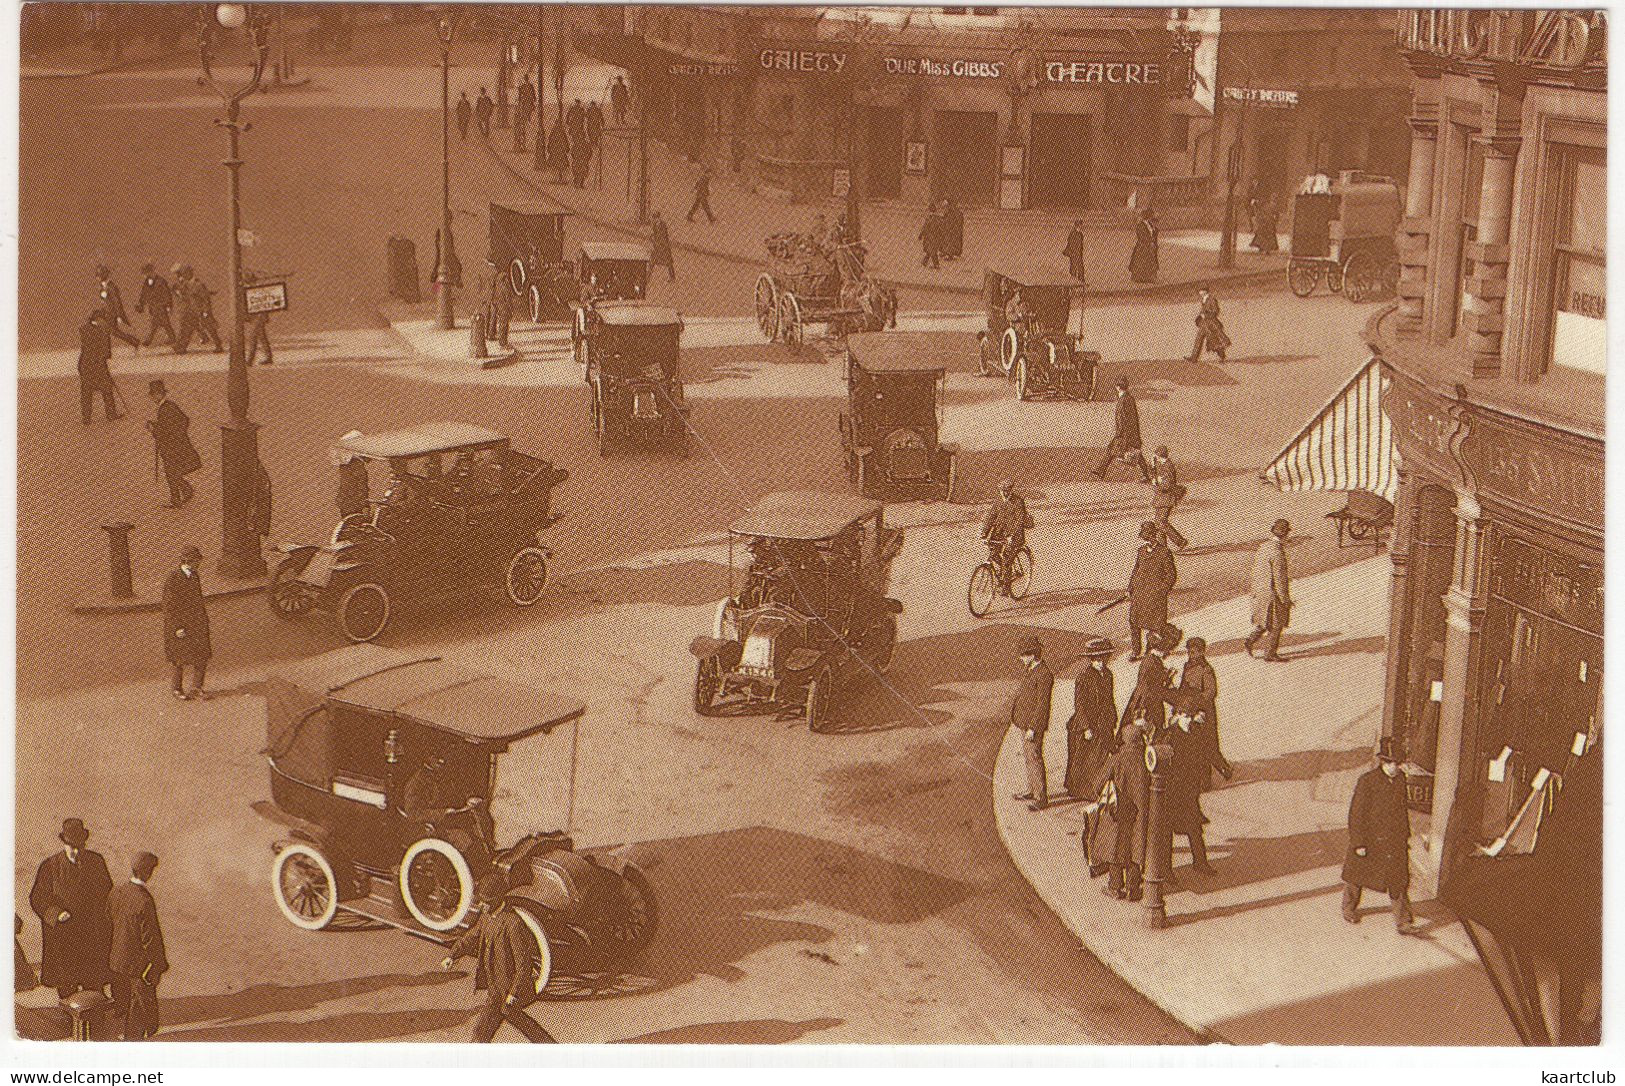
(1416, 228)
(1487, 285)
(1399, 603)
(1457, 762)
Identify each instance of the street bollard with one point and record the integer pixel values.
(118, 559)
(87, 1010)
(1159, 843)
(476, 336)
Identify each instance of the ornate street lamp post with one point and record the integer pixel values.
(239, 449)
(447, 274)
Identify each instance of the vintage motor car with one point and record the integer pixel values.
(889, 431)
(527, 245)
(613, 270)
(1027, 338)
(463, 514)
(630, 351)
(1346, 236)
(383, 772)
(812, 613)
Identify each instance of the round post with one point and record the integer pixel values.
(1159, 838)
(118, 559)
(445, 275)
(538, 160)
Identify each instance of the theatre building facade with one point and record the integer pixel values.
(1493, 363)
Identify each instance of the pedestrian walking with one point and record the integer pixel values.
(465, 111)
(506, 967)
(354, 488)
(953, 230)
(155, 300)
(660, 246)
(1265, 225)
(137, 960)
(1029, 715)
(70, 898)
(1125, 443)
(109, 300)
(1189, 774)
(483, 108)
(594, 124)
(172, 445)
(1142, 262)
(1149, 699)
(575, 122)
(619, 99)
(1121, 815)
(259, 335)
(1149, 585)
(1378, 856)
(1092, 727)
(558, 152)
(196, 311)
(1166, 492)
(1272, 592)
(1198, 679)
(1073, 250)
(702, 196)
(95, 352)
(931, 237)
(1210, 334)
(523, 109)
(186, 626)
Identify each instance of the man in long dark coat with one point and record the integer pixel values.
(1092, 728)
(1142, 263)
(95, 351)
(1378, 855)
(953, 230)
(619, 99)
(137, 959)
(1149, 586)
(575, 122)
(660, 245)
(523, 108)
(931, 238)
(170, 437)
(1029, 716)
(1189, 734)
(1210, 333)
(70, 899)
(1199, 679)
(1122, 819)
(1126, 443)
(483, 108)
(186, 625)
(109, 300)
(506, 969)
(558, 152)
(155, 300)
(594, 125)
(464, 111)
(1074, 249)
(1149, 699)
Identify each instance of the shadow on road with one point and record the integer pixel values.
(760, 1031)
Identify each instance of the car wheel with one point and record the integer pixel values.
(542, 970)
(436, 884)
(1023, 387)
(535, 304)
(1021, 574)
(767, 307)
(517, 277)
(363, 612)
(1009, 351)
(984, 581)
(817, 701)
(707, 683)
(526, 577)
(289, 599)
(306, 889)
(633, 926)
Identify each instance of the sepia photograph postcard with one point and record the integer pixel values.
(1066, 527)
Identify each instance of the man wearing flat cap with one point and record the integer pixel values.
(186, 625)
(137, 958)
(1007, 522)
(1029, 715)
(1272, 592)
(1149, 586)
(507, 967)
(1092, 728)
(70, 898)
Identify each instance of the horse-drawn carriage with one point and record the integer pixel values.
(1346, 236)
(815, 283)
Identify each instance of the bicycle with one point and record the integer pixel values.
(1003, 573)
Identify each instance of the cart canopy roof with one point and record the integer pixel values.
(630, 314)
(433, 692)
(617, 250)
(804, 515)
(900, 352)
(1034, 275)
(529, 209)
(429, 437)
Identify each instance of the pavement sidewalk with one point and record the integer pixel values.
(1259, 952)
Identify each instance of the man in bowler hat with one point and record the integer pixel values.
(137, 958)
(173, 444)
(1378, 856)
(1149, 585)
(1272, 593)
(95, 352)
(70, 898)
(506, 970)
(186, 625)
(1029, 715)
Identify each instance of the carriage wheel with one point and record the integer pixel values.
(818, 699)
(1009, 350)
(305, 887)
(767, 312)
(984, 585)
(790, 329)
(364, 611)
(1357, 277)
(526, 577)
(289, 599)
(1302, 278)
(633, 926)
(517, 277)
(436, 884)
(1023, 387)
(707, 682)
(1021, 573)
(530, 914)
(535, 304)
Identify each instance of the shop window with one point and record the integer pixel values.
(1431, 570)
(1472, 186)
(1579, 300)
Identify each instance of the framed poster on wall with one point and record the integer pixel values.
(914, 157)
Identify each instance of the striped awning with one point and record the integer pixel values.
(1348, 445)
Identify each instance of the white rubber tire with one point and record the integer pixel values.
(465, 899)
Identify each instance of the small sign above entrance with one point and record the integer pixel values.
(1256, 96)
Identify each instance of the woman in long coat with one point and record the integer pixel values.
(1142, 263)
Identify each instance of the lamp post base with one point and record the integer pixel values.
(240, 554)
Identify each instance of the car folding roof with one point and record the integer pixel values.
(417, 440)
(804, 515)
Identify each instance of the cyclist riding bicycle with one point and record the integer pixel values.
(1004, 529)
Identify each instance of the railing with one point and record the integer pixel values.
(1174, 191)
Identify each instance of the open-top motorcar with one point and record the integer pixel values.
(383, 770)
(810, 613)
(1029, 312)
(463, 514)
(613, 270)
(630, 352)
(890, 429)
(527, 246)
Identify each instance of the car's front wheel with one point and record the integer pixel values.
(707, 684)
(526, 576)
(363, 612)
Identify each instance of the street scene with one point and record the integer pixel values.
(603, 524)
